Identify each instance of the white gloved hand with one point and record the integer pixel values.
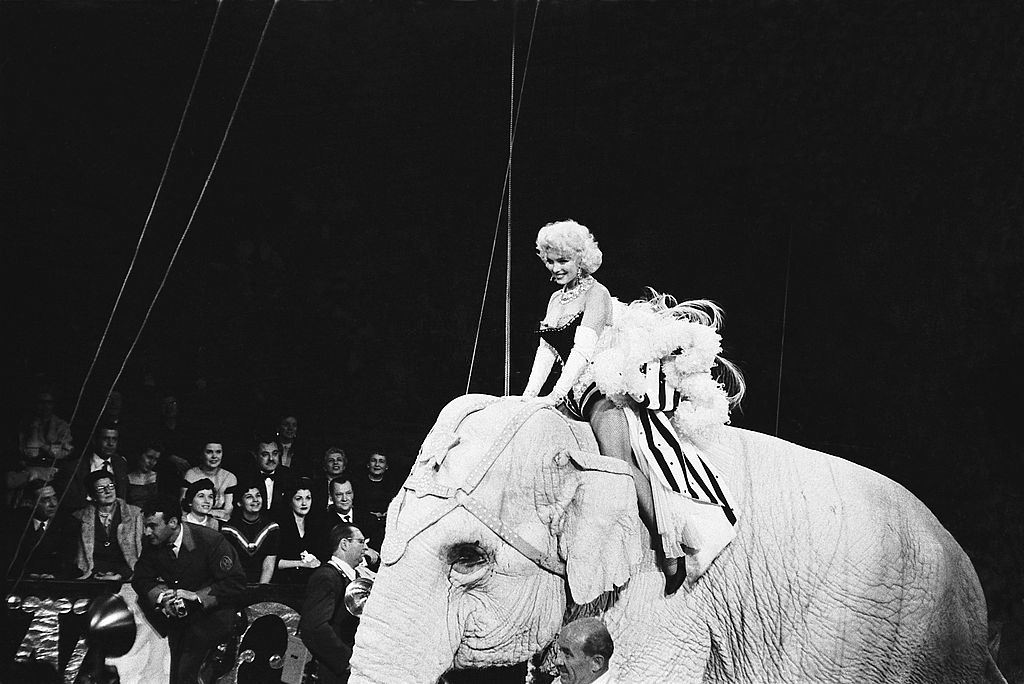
(584, 343)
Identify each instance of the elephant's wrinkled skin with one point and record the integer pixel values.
(837, 573)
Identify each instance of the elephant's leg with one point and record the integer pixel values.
(612, 433)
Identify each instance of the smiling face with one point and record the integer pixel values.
(377, 464)
(564, 267)
(213, 454)
(252, 500)
(301, 501)
(268, 456)
(334, 463)
(341, 496)
(202, 502)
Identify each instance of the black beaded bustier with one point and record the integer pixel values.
(562, 337)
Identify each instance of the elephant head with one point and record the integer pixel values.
(508, 513)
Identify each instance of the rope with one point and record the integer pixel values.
(163, 281)
(508, 210)
(135, 256)
(782, 342)
(501, 201)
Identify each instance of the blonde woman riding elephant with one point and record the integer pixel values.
(511, 524)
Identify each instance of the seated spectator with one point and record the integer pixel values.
(296, 559)
(102, 456)
(254, 535)
(274, 478)
(375, 490)
(144, 476)
(334, 463)
(223, 480)
(197, 502)
(38, 541)
(46, 438)
(341, 511)
(295, 454)
(110, 532)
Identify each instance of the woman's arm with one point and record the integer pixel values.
(267, 573)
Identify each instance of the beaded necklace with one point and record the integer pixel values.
(583, 284)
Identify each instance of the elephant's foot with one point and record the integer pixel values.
(675, 574)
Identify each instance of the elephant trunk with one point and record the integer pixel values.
(403, 633)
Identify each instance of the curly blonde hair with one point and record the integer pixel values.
(569, 237)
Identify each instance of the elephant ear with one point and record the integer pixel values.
(589, 503)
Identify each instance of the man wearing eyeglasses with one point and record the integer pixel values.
(326, 626)
(110, 538)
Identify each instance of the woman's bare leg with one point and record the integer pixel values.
(612, 432)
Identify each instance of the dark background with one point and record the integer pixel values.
(844, 178)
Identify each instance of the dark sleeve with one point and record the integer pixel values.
(144, 581)
(322, 595)
(226, 573)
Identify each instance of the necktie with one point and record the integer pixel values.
(346, 517)
(106, 466)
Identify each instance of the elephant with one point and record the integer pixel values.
(511, 524)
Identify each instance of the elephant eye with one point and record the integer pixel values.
(466, 557)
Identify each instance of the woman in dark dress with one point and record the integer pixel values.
(295, 559)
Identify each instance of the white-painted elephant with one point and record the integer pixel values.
(509, 518)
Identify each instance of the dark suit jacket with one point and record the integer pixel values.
(284, 481)
(207, 565)
(78, 496)
(326, 627)
(320, 525)
(52, 553)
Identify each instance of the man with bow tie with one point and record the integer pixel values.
(273, 478)
(341, 511)
(189, 580)
(103, 456)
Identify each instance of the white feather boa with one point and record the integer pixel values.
(684, 338)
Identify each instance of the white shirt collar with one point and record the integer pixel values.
(344, 567)
(98, 461)
(606, 678)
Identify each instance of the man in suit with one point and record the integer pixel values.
(582, 652)
(39, 541)
(274, 479)
(340, 511)
(103, 456)
(326, 627)
(188, 580)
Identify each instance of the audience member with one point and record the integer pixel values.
(375, 491)
(38, 540)
(295, 454)
(254, 535)
(189, 581)
(296, 554)
(223, 480)
(334, 464)
(341, 511)
(274, 478)
(110, 532)
(103, 456)
(196, 503)
(46, 438)
(582, 652)
(327, 628)
(144, 479)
